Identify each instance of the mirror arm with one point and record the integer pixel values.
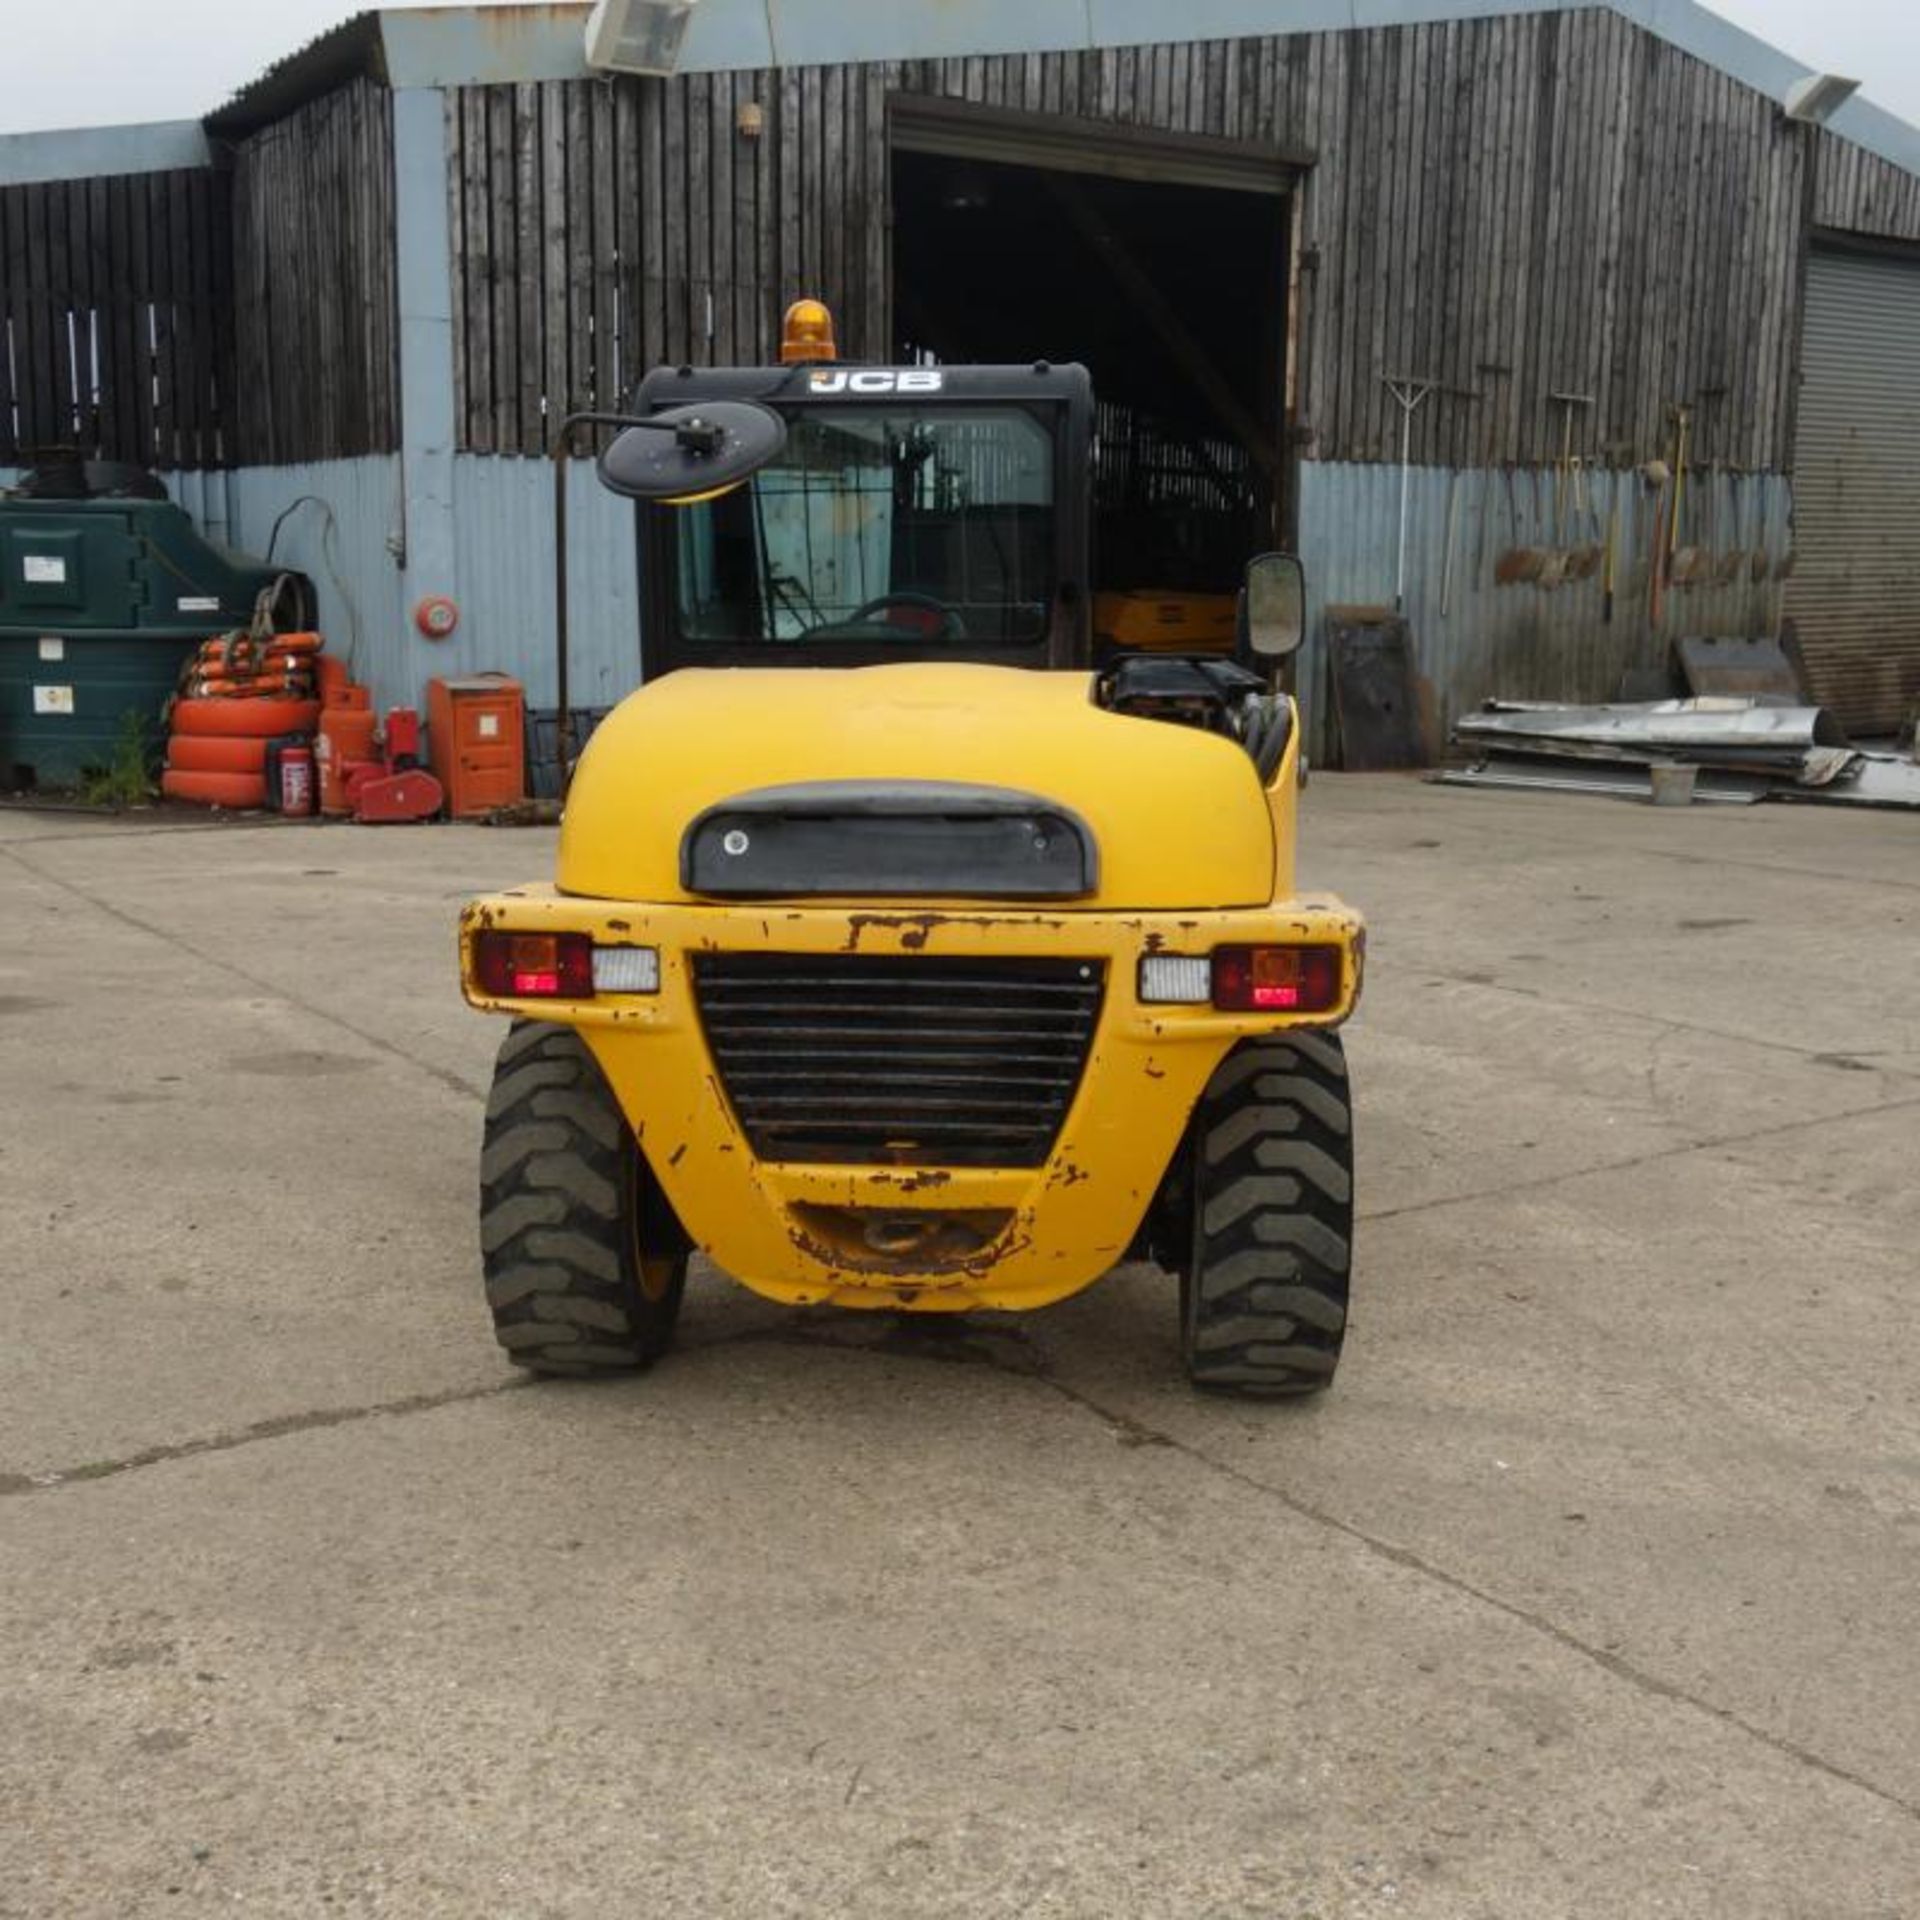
(562, 454)
(696, 439)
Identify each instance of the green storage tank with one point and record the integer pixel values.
(105, 590)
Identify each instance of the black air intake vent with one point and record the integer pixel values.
(898, 1059)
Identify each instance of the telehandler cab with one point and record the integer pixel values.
(895, 958)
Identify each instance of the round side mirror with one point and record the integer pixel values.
(694, 452)
(1276, 606)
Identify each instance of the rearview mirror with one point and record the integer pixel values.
(692, 453)
(1276, 613)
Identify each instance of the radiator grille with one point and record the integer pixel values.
(899, 1059)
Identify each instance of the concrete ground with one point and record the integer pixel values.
(1592, 1589)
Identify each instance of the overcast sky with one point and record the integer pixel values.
(74, 63)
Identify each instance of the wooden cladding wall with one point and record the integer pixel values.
(1857, 192)
(317, 362)
(600, 227)
(1510, 208)
(116, 319)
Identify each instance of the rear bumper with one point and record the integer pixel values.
(1022, 1237)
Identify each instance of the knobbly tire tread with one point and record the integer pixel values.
(559, 1176)
(1263, 1290)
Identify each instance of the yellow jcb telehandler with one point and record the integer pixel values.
(895, 958)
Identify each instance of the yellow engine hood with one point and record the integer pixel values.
(1179, 815)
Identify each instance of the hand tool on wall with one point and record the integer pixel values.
(1683, 563)
(1570, 561)
(1446, 564)
(1411, 395)
(1730, 561)
(1518, 561)
(1612, 559)
(1665, 498)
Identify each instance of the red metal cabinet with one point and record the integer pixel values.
(477, 741)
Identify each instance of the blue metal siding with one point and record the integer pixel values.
(344, 531)
(341, 534)
(503, 516)
(96, 153)
(1517, 642)
(501, 578)
(1520, 642)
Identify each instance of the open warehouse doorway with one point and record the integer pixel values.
(1160, 263)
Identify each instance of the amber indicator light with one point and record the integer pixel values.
(807, 334)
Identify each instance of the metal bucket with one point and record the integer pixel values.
(1673, 786)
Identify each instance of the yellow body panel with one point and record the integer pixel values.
(1178, 814)
(1194, 854)
(1071, 1219)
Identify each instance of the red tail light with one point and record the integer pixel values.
(1276, 979)
(534, 966)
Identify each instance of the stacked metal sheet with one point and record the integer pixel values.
(1741, 750)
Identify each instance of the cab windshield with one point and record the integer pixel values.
(880, 523)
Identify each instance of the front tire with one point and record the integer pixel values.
(1263, 1287)
(585, 1260)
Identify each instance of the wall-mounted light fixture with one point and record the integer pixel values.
(1817, 98)
(637, 36)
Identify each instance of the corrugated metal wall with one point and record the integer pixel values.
(337, 522)
(1856, 595)
(345, 533)
(341, 518)
(503, 513)
(1474, 638)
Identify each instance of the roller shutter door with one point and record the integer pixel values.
(1855, 593)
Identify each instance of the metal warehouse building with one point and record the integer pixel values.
(1409, 295)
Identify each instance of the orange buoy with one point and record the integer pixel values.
(279, 686)
(238, 790)
(217, 753)
(263, 718)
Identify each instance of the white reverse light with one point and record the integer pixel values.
(626, 969)
(1186, 978)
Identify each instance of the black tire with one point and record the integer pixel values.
(1263, 1288)
(585, 1261)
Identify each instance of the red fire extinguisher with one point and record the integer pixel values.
(296, 780)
